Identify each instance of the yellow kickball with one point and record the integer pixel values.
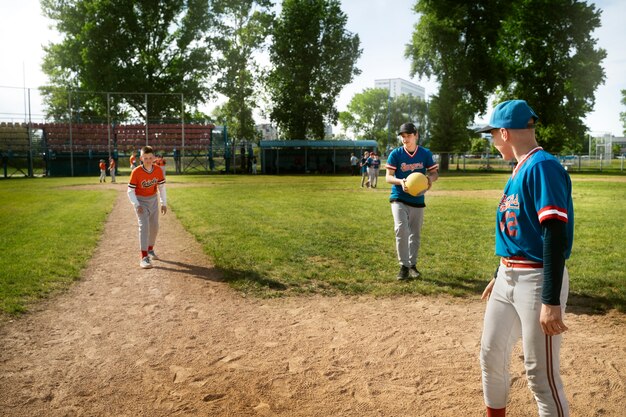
(416, 183)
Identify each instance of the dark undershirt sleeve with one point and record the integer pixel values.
(554, 245)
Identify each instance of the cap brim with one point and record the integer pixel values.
(485, 129)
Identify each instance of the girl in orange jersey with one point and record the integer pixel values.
(145, 181)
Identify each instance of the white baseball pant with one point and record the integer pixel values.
(512, 311)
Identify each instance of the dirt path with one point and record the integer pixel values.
(175, 341)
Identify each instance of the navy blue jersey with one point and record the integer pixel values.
(405, 163)
(539, 189)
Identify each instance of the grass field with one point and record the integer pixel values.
(48, 232)
(281, 235)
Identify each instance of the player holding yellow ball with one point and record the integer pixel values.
(407, 196)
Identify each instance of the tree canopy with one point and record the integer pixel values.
(313, 57)
(532, 49)
(128, 46)
(242, 27)
(373, 114)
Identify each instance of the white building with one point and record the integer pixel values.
(268, 131)
(398, 86)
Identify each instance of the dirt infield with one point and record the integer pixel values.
(175, 341)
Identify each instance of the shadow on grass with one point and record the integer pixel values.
(252, 279)
(576, 303)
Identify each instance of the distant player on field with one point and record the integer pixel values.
(142, 193)
(103, 171)
(534, 235)
(133, 160)
(112, 168)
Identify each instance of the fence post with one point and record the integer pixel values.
(601, 158)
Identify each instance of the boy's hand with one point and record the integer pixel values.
(163, 209)
(140, 209)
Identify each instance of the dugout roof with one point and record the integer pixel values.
(344, 144)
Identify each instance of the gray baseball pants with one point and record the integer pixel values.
(408, 227)
(148, 221)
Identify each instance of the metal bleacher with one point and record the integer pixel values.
(14, 137)
(125, 137)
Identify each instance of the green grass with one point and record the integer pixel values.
(275, 236)
(47, 235)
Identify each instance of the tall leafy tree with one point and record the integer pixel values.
(313, 58)
(553, 62)
(456, 42)
(242, 27)
(373, 114)
(367, 114)
(534, 49)
(128, 46)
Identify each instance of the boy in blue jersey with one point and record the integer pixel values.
(408, 211)
(534, 235)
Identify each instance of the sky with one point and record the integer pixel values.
(384, 28)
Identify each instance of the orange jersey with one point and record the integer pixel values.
(112, 165)
(102, 166)
(145, 183)
(133, 159)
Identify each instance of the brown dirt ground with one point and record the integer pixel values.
(176, 341)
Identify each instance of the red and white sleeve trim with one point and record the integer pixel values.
(433, 168)
(389, 166)
(552, 212)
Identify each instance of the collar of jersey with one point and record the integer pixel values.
(146, 171)
(411, 154)
(524, 159)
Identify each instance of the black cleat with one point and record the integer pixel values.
(403, 274)
(414, 273)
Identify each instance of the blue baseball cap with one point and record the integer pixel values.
(512, 114)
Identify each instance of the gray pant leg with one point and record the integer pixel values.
(408, 226)
(148, 221)
(416, 220)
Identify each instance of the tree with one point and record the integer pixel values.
(367, 114)
(553, 63)
(622, 115)
(532, 49)
(128, 46)
(373, 114)
(313, 58)
(456, 42)
(242, 26)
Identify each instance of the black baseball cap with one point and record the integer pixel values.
(407, 128)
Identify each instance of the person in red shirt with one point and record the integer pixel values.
(103, 171)
(145, 182)
(112, 168)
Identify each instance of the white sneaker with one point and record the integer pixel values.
(153, 256)
(145, 263)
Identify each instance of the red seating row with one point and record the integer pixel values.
(161, 136)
